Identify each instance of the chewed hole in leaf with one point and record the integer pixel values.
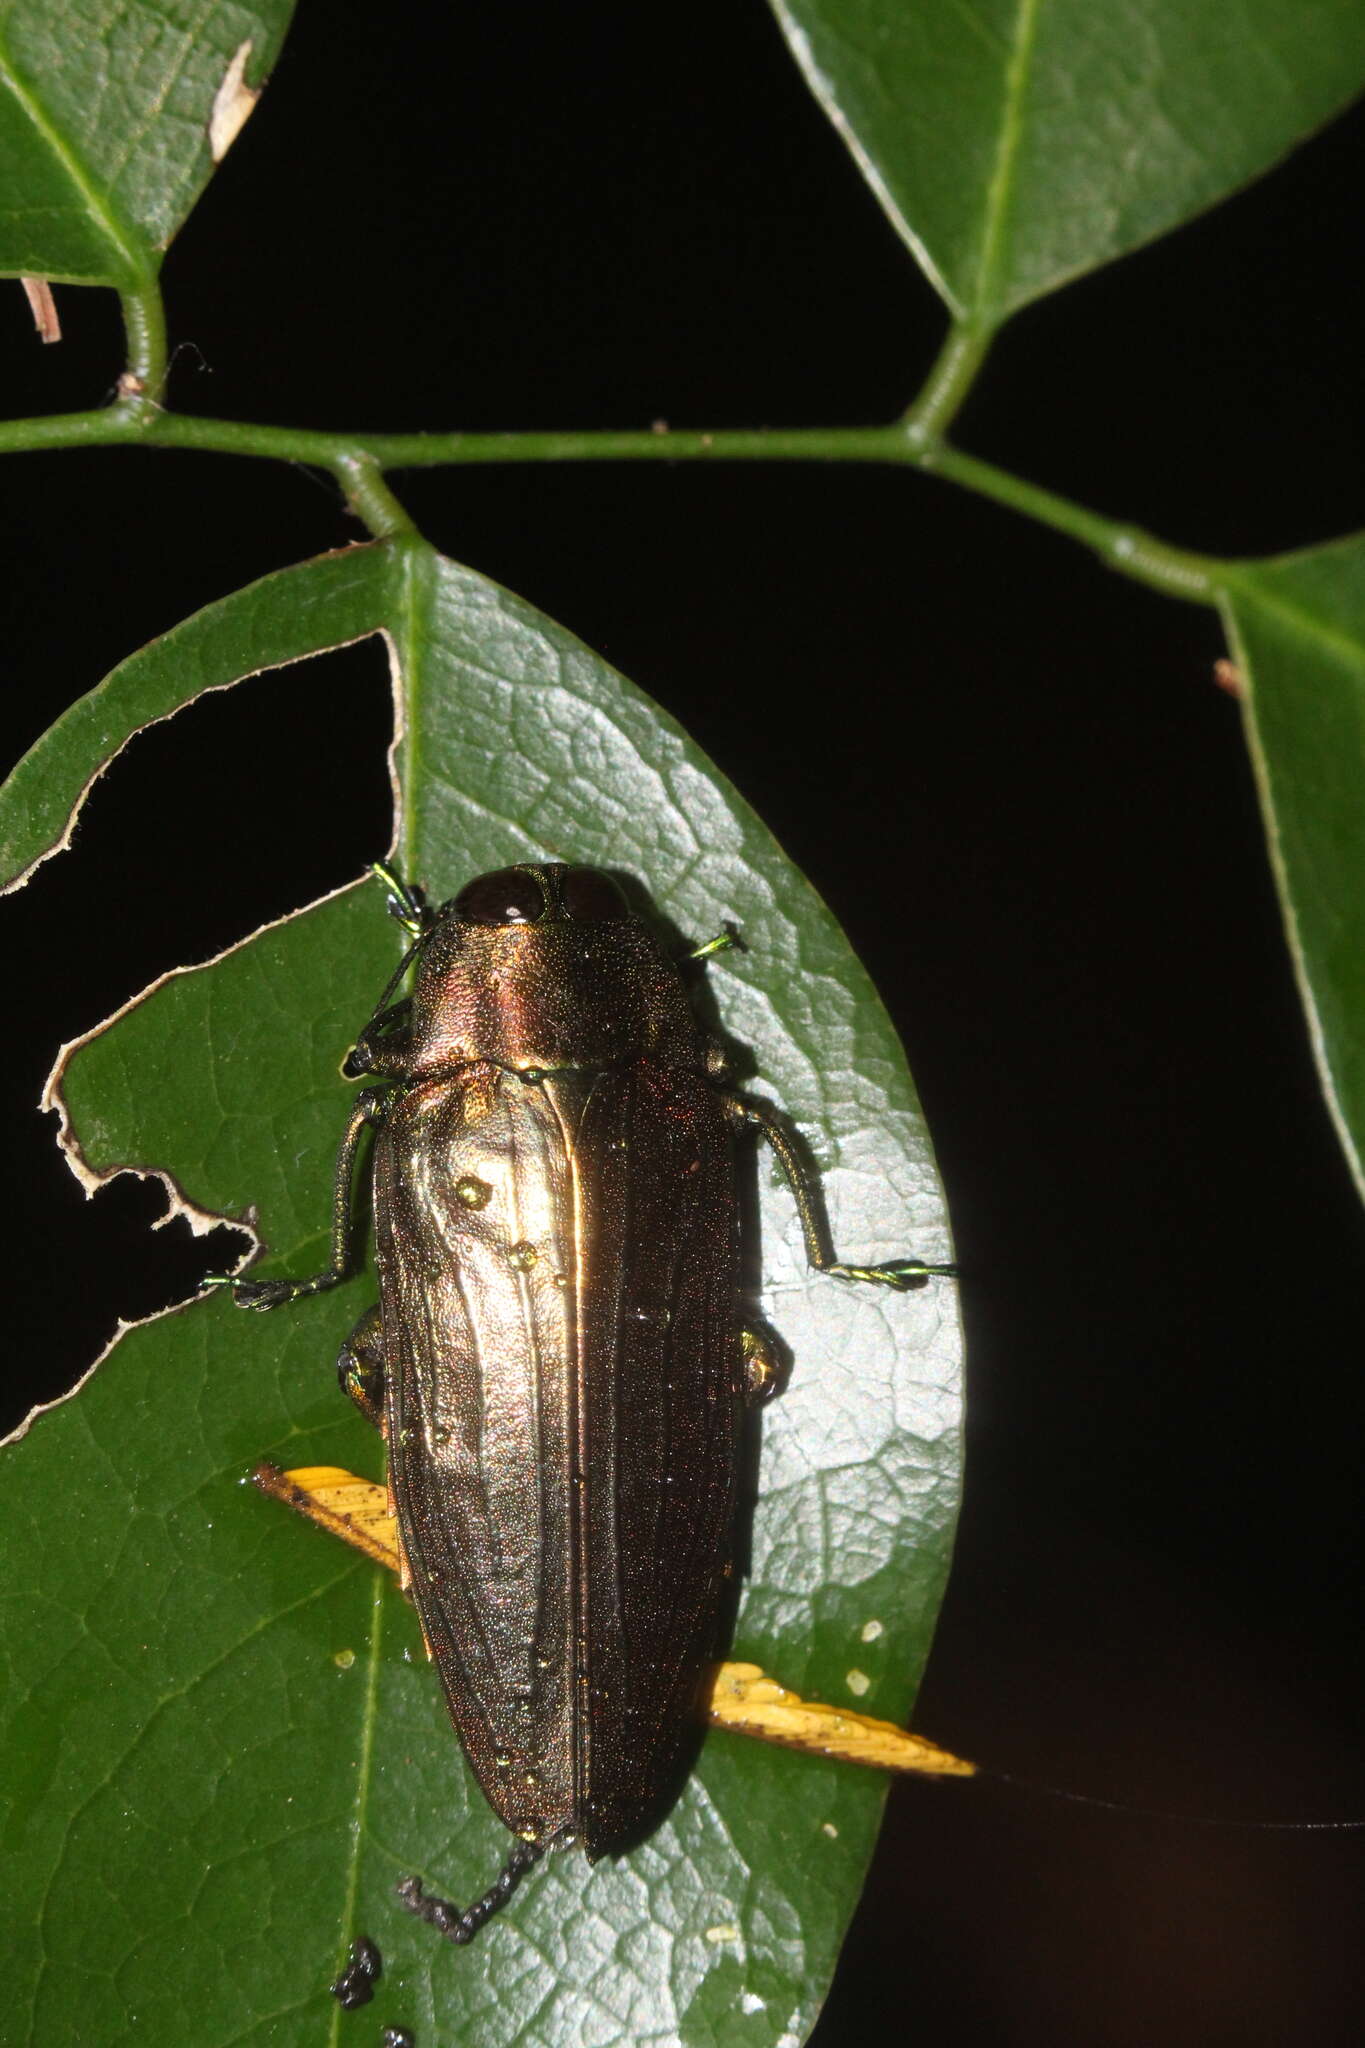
(94, 1265)
(189, 818)
(194, 814)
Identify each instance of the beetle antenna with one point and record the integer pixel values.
(399, 971)
(721, 943)
(459, 1924)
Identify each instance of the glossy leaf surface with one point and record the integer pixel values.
(1018, 143)
(1298, 626)
(105, 112)
(224, 1743)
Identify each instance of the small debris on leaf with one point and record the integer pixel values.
(355, 1985)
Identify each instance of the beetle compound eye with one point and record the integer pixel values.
(510, 896)
(590, 896)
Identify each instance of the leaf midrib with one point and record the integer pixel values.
(1291, 612)
(369, 1719)
(406, 572)
(1000, 190)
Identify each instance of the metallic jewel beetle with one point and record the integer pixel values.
(557, 1360)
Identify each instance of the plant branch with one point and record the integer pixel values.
(1179, 572)
(359, 461)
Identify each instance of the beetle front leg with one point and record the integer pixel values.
(369, 1109)
(902, 1274)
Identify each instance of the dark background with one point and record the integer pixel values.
(1009, 772)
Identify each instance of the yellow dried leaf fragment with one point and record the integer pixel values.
(745, 1698)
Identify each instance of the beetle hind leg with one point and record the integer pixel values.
(461, 1924)
(360, 1367)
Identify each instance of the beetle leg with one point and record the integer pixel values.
(369, 1108)
(360, 1367)
(460, 1925)
(407, 901)
(902, 1274)
(763, 1373)
(386, 1032)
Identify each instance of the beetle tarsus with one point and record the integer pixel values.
(901, 1274)
(262, 1294)
(461, 1924)
(407, 902)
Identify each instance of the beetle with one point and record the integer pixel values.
(558, 1361)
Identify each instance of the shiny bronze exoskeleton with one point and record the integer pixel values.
(557, 1360)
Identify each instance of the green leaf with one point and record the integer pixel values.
(224, 1744)
(1297, 625)
(1018, 143)
(105, 113)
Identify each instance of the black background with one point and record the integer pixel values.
(1009, 772)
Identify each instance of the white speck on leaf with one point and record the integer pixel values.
(871, 1631)
(857, 1683)
(727, 1932)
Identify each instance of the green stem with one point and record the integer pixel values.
(947, 385)
(1179, 572)
(144, 323)
(358, 461)
(369, 497)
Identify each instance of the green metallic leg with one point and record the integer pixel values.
(369, 1109)
(360, 1367)
(902, 1274)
